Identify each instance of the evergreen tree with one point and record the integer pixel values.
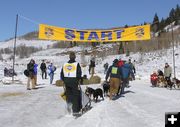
(177, 14)
(155, 25)
(156, 19)
(167, 21)
(162, 24)
(126, 26)
(172, 15)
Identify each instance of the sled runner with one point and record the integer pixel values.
(85, 101)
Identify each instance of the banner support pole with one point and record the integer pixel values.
(14, 53)
(172, 32)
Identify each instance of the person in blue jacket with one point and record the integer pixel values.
(51, 70)
(35, 73)
(126, 70)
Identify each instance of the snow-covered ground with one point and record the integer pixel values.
(141, 106)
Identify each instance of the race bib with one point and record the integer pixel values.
(114, 70)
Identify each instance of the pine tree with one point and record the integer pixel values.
(155, 25)
(167, 21)
(172, 15)
(156, 19)
(177, 14)
(162, 24)
(126, 26)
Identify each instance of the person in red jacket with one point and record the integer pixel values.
(120, 62)
(154, 78)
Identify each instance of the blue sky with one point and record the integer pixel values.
(80, 14)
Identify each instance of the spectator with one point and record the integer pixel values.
(5, 71)
(134, 69)
(35, 73)
(154, 78)
(51, 70)
(167, 72)
(30, 69)
(132, 76)
(106, 65)
(43, 69)
(160, 73)
(92, 66)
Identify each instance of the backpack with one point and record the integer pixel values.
(26, 73)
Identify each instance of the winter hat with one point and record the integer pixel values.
(32, 61)
(72, 55)
(115, 61)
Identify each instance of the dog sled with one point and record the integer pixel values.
(85, 101)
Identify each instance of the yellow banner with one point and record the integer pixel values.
(110, 35)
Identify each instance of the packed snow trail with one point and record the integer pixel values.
(140, 106)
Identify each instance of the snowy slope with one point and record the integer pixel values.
(141, 106)
(35, 43)
(169, 28)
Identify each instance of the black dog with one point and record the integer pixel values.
(89, 91)
(170, 84)
(176, 81)
(106, 88)
(98, 92)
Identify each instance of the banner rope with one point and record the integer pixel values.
(28, 19)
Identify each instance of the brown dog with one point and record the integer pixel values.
(161, 81)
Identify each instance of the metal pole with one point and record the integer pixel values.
(14, 53)
(173, 51)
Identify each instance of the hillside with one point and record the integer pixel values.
(36, 43)
(44, 107)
